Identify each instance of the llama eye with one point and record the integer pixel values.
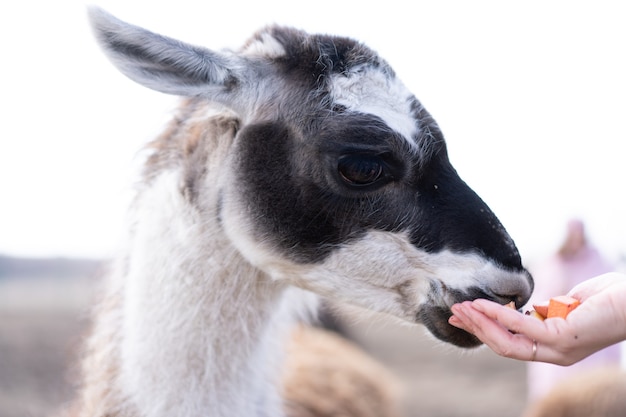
(360, 170)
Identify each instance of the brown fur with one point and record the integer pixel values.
(327, 376)
(600, 393)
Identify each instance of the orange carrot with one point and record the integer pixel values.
(542, 308)
(561, 306)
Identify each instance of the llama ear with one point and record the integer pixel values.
(165, 64)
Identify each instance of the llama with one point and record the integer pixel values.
(296, 167)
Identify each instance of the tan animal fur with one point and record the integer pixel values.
(597, 393)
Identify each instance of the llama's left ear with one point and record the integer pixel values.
(165, 64)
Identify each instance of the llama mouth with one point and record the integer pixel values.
(435, 318)
(435, 314)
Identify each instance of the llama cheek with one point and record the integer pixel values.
(382, 269)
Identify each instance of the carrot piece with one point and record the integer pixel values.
(535, 314)
(542, 308)
(561, 306)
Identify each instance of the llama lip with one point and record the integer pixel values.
(435, 318)
(435, 314)
(508, 297)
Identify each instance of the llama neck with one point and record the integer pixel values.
(202, 327)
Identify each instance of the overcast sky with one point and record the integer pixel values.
(530, 95)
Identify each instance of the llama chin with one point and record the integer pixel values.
(297, 167)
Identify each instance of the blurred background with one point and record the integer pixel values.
(531, 97)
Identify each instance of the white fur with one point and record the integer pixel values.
(382, 271)
(200, 324)
(368, 90)
(267, 46)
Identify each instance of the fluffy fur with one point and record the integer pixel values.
(597, 393)
(299, 166)
(327, 376)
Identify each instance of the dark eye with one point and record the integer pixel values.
(360, 170)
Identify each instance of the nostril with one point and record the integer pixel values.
(516, 287)
(517, 290)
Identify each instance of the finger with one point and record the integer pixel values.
(513, 320)
(595, 285)
(493, 334)
(459, 317)
(545, 335)
(456, 322)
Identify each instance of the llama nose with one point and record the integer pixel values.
(518, 290)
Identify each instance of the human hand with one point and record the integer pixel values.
(598, 322)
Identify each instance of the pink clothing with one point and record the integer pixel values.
(569, 267)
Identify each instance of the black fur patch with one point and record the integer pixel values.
(299, 202)
(435, 318)
(315, 57)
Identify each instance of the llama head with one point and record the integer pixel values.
(336, 179)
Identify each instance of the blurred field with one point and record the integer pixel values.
(42, 320)
(41, 324)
